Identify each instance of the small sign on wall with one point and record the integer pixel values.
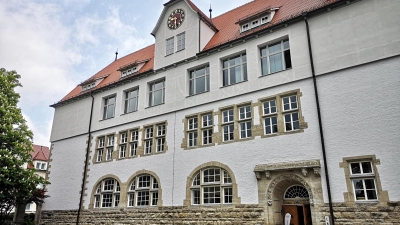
(327, 221)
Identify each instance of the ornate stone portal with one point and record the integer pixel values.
(274, 179)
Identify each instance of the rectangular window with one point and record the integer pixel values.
(99, 155)
(192, 140)
(160, 130)
(124, 138)
(110, 141)
(131, 100)
(180, 41)
(131, 199)
(245, 112)
(107, 200)
(289, 103)
(269, 107)
(133, 149)
(199, 80)
(109, 107)
(169, 46)
(211, 195)
(211, 175)
(271, 125)
(157, 93)
(196, 197)
(234, 69)
(148, 146)
(154, 198)
(109, 154)
(143, 198)
(275, 57)
(134, 135)
(97, 201)
(144, 182)
(228, 195)
(101, 142)
(228, 132)
(227, 116)
(245, 129)
(363, 181)
(292, 121)
(116, 200)
(122, 151)
(149, 132)
(160, 144)
(192, 123)
(207, 120)
(207, 136)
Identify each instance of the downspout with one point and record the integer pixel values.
(321, 131)
(86, 161)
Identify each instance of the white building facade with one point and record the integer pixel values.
(238, 119)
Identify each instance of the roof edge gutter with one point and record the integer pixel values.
(321, 130)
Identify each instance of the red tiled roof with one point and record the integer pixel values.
(112, 69)
(40, 153)
(228, 30)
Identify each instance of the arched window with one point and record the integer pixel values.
(296, 192)
(211, 186)
(107, 194)
(143, 191)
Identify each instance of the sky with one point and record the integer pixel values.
(55, 45)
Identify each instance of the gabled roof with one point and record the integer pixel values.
(227, 30)
(41, 153)
(202, 16)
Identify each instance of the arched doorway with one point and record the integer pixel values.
(296, 202)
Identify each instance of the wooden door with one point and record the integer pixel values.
(307, 215)
(292, 209)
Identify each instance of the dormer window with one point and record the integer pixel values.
(256, 19)
(128, 71)
(88, 86)
(264, 19)
(255, 23)
(245, 27)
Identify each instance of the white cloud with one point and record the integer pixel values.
(41, 134)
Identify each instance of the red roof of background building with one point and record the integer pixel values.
(41, 153)
(228, 30)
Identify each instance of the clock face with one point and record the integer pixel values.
(175, 19)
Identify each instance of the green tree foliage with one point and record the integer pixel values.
(18, 185)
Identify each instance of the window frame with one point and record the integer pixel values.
(169, 46)
(106, 106)
(180, 42)
(242, 65)
(153, 188)
(127, 98)
(268, 55)
(152, 92)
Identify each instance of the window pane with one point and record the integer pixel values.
(276, 62)
(358, 184)
(200, 85)
(158, 97)
(238, 74)
(355, 168)
(264, 66)
(225, 81)
(232, 75)
(369, 183)
(288, 61)
(274, 48)
(366, 166)
(371, 194)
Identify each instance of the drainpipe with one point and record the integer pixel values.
(86, 161)
(321, 131)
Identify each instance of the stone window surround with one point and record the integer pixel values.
(140, 148)
(199, 130)
(383, 196)
(114, 154)
(280, 113)
(140, 151)
(128, 142)
(257, 130)
(188, 200)
(123, 201)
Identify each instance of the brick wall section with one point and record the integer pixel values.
(364, 214)
(180, 215)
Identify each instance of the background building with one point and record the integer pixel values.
(238, 119)
(40, 159)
